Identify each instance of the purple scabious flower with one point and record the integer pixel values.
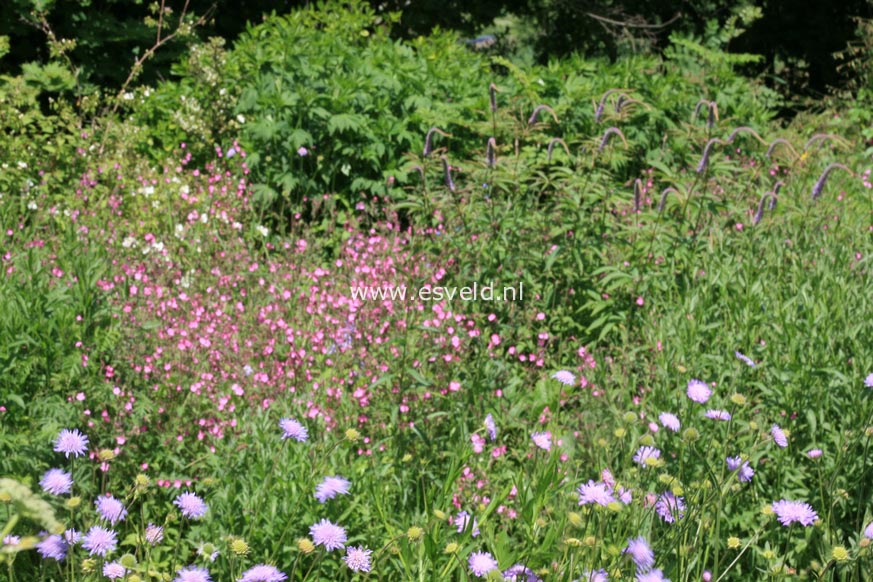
(868, 531)
(331, 487)
(208, 551)
(745, 359)
(293, 430)
(655, 575)
(543, 440)
(481, 563)
(698, 391)
(358, 559)
(718, 414)
(190, 505)
(745, 471)
(645, 453)
(329, 535)
(597, 493)
(193, 574)
(640, 552)
(56, 482)
(114, 570)
(814, 453)
(789, 512)
(72, 537)
(491, 426)
(520, 573)
(670, 507)
(779, 436)
(99, 541)
(11, 540)
(71, 442)
(565, 377)
(868, 381)
(53, 547)
(463, 521)
(669, 421)
(594, 576)
(110, 509)
(154, 534)
(263, 573)
(625, 495)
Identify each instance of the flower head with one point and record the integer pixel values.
(654, 575)
(789, 512)
(358, 559)
(670, 507)
(868, 381)
(481, 563)
(330, 487)
(543, 440)
(814, 453)
(100, 541)
(647, 456)
(698, 391)
(565, 377)
(114, 570)
(520, 573)
(491, 426)
(193, 574)
(745, 359)
(713, 414)
(598, 493)
(263, 573)
(464, 521)
(154, 534)
(110, 509)
(329, 535)
(670, 421)
(640, 552)
(868, 531)
(56, 482)
(293, 430)
(190, 505)
(779, 436)
(54, 547)
(745, 473)
(71, 442)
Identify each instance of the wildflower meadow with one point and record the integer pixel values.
(259, 318)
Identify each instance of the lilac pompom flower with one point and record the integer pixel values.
(481, 563)
(190, 505)
(779, 436)
(330, 487)
(293, 430)
(698, 391)
(263, 573)
(640, 552)
(71, 442)
(193, 574)
(99, 541)
(789, 512)
(331, 536)
(358, 559)
(56, 482)
(670, 421)
(565, 377)
(110, 509)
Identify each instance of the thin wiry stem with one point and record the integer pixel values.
(552, 143)
(536, 112)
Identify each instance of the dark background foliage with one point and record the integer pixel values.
(797, 37)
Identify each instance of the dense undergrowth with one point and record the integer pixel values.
(681, 391)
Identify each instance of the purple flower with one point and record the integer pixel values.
(491, 426)
(302, 152)
(718, 414)
(110, 509)
(645, 453)
(463, 521)
(263, 573)
(207, 551)
(193, 574)
(745, 470)
(565, 377)
(331, 487)
(868, 381)
(868, 531)
(670, 421)
(745, 359)
(655, 575)
(481, 563)
(698, 391)
(54, 547)
(670, 507)
(520, 573)
(154, 534)
(594, 576)
(358, 559)
(114, 570)
(329, 535)
(99, 541)
(625, 496)
(789, 512)
(543, 440)
(814, 453)
(190, 505)
(56, 482)
(72, 537)
(640, 552)
(293, 430)
(11, 540)
(598, 493)
(71, 442)
(779, 436)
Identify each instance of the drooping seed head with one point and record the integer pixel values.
(604, 141)
(780, 141)
(492, 94)
(638, 194)
(817, 138)
(744, 129)
(704, 160)
(554, 141)
(490, 152)
(536, 113)
(760, 213)
(447, 170)
(822, 180)
(428, 140)
(664, 193)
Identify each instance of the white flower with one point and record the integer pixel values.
(32, 205)
(241, 118)
(263, 230)
(128, 96)
(22, 165)
(204, 218)
(184, 190)
(148, 191)
(156, 204)
(128, 242)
